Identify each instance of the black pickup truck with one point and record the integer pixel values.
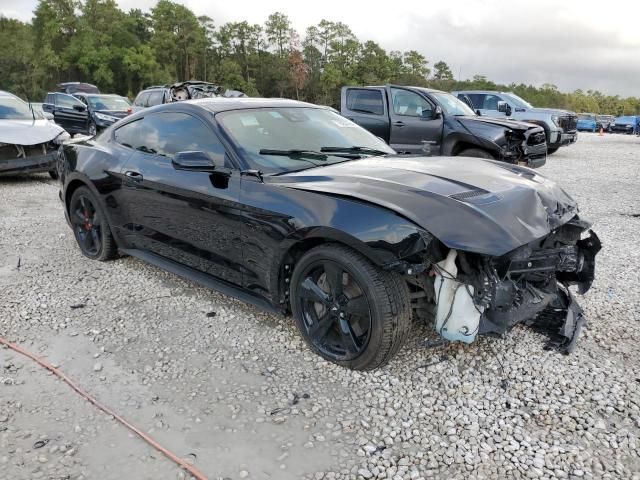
(417, 120)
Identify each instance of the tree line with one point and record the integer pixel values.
(123, 52)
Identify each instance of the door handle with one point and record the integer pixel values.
(135, 176)
(398, 124)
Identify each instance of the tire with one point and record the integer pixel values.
(551, 151)
(360, 324)
(477, 153)
(90, 226)
(53, 174)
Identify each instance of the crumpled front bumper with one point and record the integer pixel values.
(30, 164)
(530, 285)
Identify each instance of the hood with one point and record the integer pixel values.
(548, 111)
(469, 204)
(498, 122)
(114, 113)
(28, 132)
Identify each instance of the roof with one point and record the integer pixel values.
(221, 104)
(481, 91)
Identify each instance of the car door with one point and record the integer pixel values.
(70, 113)
(487, 103)
(415, 126)
(191, 217)
(367, 107)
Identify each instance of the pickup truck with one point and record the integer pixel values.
(560, 126)
(416, 120)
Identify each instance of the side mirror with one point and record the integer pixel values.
(193, 160)
(79, 108)
(504, 107)
(479, 113)
(437, 112)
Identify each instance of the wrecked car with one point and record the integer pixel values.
(416, 120)
(28, 141)
(192, 89)
(297, 210)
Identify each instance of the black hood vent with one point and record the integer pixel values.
(468, 194)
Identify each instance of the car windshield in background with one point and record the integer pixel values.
(107, 102)
(452, 105)
(585, 116)
(307, 132)
(12, 108)
(516, 100)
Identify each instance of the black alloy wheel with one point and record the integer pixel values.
(90, 226)
(348, 310)
(335, 310)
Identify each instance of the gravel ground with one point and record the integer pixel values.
(236, 392)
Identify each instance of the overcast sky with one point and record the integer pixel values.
(572, 44)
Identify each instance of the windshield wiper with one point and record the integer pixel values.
(295, 154)
(354, 149)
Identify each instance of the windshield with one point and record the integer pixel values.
(12, 108)
(516, 100)
(585, 116)
(452, 105)
(108, 102)
(298, 128)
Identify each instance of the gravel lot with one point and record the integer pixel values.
(236, 392)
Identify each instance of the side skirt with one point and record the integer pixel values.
(201, 278)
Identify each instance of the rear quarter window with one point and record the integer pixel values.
(155, 98)
(365, 101)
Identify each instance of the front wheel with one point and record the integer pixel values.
(477, 153)
(551, 151)
(349, 311)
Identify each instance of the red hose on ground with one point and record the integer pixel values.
(188, 467)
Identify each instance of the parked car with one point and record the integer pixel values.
(68, 112)
(298, 210)
(103, 110)
(587, 122)
(628, 124)
(560, 126)
(604, 122)
(77, 87)
(159, 94)
(422, 121)
(28, 141)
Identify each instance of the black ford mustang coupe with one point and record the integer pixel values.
(296, 209)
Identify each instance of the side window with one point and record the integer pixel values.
(490, 102)
(410, 104)
(477, 99)
(155, 98)
(66, 101)
(50, 98)
(169, 133)
(365, 101)
(141, 99)
(83, 99)
(128, 134)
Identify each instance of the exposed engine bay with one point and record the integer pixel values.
(195, 89)
(467, 294)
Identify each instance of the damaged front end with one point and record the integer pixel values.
(526, 147)
(467, 294)
(17, 159)
(194, 89)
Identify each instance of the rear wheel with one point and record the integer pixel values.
(476, 152)
(90, 226)
(348, 310)
(551, 151)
